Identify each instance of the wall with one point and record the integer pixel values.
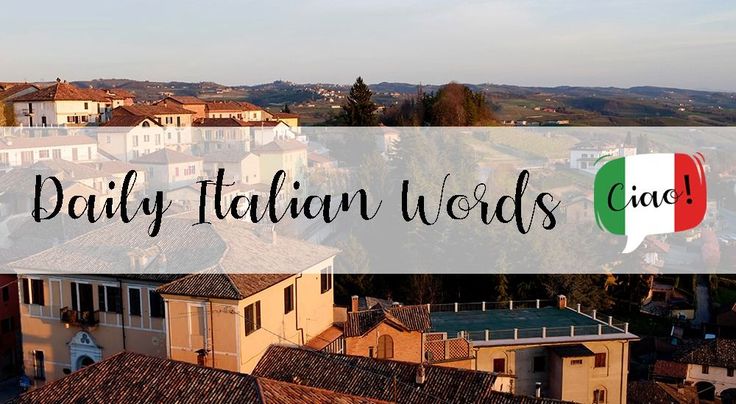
(407, 344)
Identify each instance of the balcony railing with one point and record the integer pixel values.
(79, 318)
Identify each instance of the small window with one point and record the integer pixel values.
(540, 364)
(705, 370)
(576, 362)
(288, 299)
(499, 365)
(135, 140)
(370, 351)
(326, 279)
(134, 301)
(600, 360)
(86, 105)
(145, 124)
(6, 293)
(82, 299)
(385, 347)
(43, 154)
(109, 299)
(252, 317)
(157, 304)
(729, 372)
(39, 369)
(33, 291)
(599, 396)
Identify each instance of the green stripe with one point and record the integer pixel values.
(613, 172)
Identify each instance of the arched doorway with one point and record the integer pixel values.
(728, 396)
(84, 351)
(706, 391)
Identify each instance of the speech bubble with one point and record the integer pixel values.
(650, 194)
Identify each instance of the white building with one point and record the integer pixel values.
(167, 169)
(24, 151)
(583, 156)
(61, 104)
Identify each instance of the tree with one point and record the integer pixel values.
(286, 109)
(359, 110)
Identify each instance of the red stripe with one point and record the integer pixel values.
(689, 215)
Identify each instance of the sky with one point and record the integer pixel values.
(684, 44)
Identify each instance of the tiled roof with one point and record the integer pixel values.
(124, 120)
(284, 115)
(150, 110)
(279, 146)
(113, 166)
(264, 124)
(670, 369)
(382, 379)
(219, 123)
(409, 318)
(222, 286)
(185, 100)
(10, 91)
(650, 392)
(165, 156)
(113, 93)
(134, 378)
(247, 106)
(62, 91)
(67, 170)
(717, 352)
(325, 338)
(9, 143)
(224, 106)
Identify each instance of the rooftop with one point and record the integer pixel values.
(512, 325)
(409, 318)
(718, 353)
(131, 377)
(62, 91)
(47, 141)
(382, 379)
(151, 110)
(165, 156)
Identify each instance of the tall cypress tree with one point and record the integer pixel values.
(360, 109)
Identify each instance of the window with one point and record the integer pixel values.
(109, 140)
(499, 365)
(599, 396)
(252, 317)
(176, 171)
(288, 299)
(370, 351)
(39, 370)
(56, 153)
(75, 154)
(110, 299)
(43, 154)
(82, 297)
(6, 293)
(33, 291)
(135, 140)
(705, 370)
(729, 372)
(146, 138)
(326, 279)
(146, 124)
(158, 139)
(157, 304)
(540, 364)
(134, 301)
(600, 360)
(385, 347)
(86, 105)
(576, 362)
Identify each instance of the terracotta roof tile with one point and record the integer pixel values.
(219, 122)
(150, 110)
(121, 120)
(410, 318)
(280, 146)
(165, 156)
(670, 369)
(185, 100)
(10, 91)
(717, 352)
(650, 392)
(62, 91)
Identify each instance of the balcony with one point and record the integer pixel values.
(79, 318)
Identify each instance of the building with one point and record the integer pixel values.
(61, 104)
(709, 365)
(584, 155)
(213, 134)
(579, 210)
(240, 166)
(380, 379)
(134, 378)
(242, 110)
(167, 169)
(387, 333)
(288, 118)
(10, 348)
(166, 115)
(287, 155)
(25, 151)
(8, 92)
(562, 352)
(194, 104)
(227, 320)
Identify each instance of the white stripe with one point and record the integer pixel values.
(649, 173)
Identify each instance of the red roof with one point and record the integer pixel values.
(219, 122)
(129, 120)
(151, 110)
(63, 91)
(10, 91)
(184, 100)
(165, 156)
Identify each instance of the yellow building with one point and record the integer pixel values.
(103, 299)
(227, 320)
(554, 351)
(288, 155)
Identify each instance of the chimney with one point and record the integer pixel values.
(421, 375)
(538, 390)
(354, 303)
(561, 302)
